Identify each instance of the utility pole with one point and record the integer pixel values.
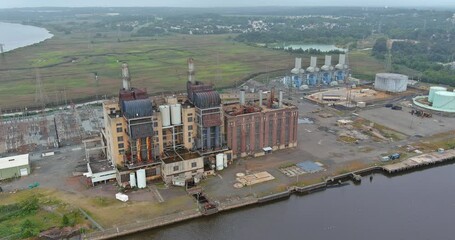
(1, 48)
(96, 84)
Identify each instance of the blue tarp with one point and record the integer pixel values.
(309, 167)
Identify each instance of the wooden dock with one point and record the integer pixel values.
(420, 161)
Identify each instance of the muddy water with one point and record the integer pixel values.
(419, 205)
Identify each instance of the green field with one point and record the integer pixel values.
(66, 65)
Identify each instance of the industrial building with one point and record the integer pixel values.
(181, 137)
(168, 137)
(391, 82)
(313, 75)
(257, 128)
(14, 166)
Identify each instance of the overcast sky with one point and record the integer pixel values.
(220, 3)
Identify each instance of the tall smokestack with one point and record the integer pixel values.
(126, 77)
(190, 70)
(313, 61)
(242, 97)
(280, 100)
(260, 98)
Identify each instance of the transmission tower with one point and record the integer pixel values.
(39, 94)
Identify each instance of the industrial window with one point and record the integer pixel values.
(118, 124)
(190, 127)
(119, 129)
(155, 124)
(190, 119)
(189, 139)
(189, 134)
(190, 114)
(121, 152)
(193, 164)
(150, 172)
(120, 139)
(155, 132)
(176, 168)
(121, 145)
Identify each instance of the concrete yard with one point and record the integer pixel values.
(411, 125)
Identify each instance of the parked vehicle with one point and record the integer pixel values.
(397, 108)
(389, 105)
(394, 156)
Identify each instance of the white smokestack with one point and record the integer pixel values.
(313, 61)
(280, 100)
(341, 62)
(190, 69)
(327, 64)
(342, 59)
(298, 66)
(242, 97)
(126, 77)
(260, 98)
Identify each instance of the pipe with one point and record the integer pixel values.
(242, 97)
(138, 150)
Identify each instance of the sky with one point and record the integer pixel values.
(220, 3)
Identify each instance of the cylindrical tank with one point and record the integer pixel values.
(219, 161)
(176, 114)
(141, 181)
(433, 90)
(391, 82)
(165, 115)
(225, 161)
(444, 100)
(132, 180)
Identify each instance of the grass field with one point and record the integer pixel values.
(66, 65)
(106, 211)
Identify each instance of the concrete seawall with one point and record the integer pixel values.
(446, 158)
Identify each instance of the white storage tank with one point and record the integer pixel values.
(444, 100)
(391, 82)
(433, 90)
(225, 161)
(132, 179)
(176, 114)
(165, 115)
(219, 161)
(141, 180)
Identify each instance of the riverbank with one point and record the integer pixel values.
(432, 159)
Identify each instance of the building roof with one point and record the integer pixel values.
(137, 108)
(14, 161)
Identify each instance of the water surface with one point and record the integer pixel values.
(13, 35)
(420, 205)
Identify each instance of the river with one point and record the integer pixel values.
(13, 35)
(420, 205)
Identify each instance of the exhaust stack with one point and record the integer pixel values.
(126, 77)
(280, 100)
(242, 97)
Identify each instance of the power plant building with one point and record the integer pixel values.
(180, 137)
(254, 128)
